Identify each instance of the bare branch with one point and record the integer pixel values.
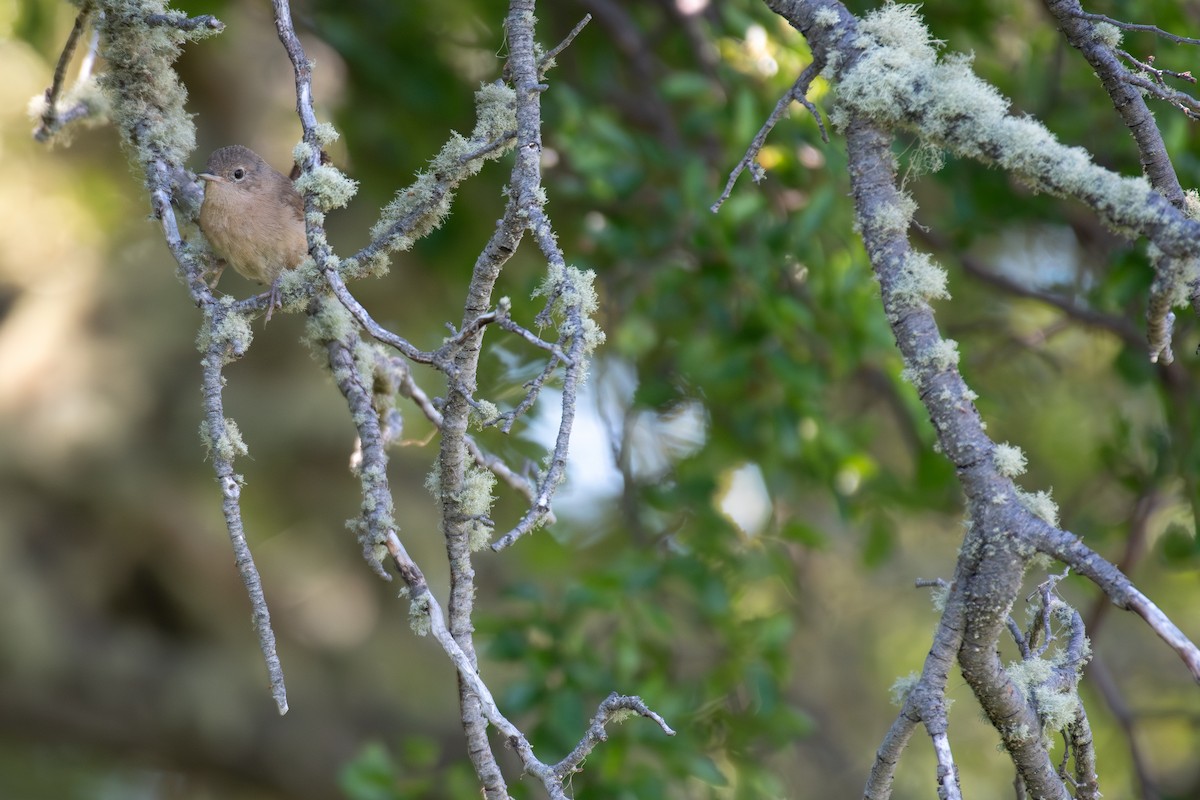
(544, 62)
(499, 143)
(54, 118)
(1189, 105)
(1160, 75)
(470, 680)
(613, 708)
(224, 443)
(798, 93)
(948, 786)
(539, 510)
(1129, 26)
(1083, 747)
(342, 293)
(1071, 550)
(302, 68)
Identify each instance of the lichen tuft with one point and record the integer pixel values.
(1009, 460)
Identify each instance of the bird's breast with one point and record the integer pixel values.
(258, 239)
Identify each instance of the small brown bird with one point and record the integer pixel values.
(253, 217)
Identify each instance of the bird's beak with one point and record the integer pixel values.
(208, 176)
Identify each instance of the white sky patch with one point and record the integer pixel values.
(744, 499)
(655, 440)
(1039, 256)
(691, 7)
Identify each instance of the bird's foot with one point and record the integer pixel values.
(274, 299)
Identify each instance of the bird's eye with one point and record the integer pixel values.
(239, 173)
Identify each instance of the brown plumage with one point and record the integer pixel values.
(253, 216)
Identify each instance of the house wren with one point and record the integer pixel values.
(253, 217)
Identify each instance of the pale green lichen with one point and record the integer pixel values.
(901, 82)
(939, 356)
(833, 64)
(295, 285)
(1042, 562)
(423, 206)
(477, 488)
(621, 714)
(226, 444)
(326, 134)
(419, 610)
(1056, 708)
(892, 219)
(433, 481)
(366, 363)
(826, 17)
(1041, 505)
(230, 335)
(1108, 34)
(926, 159)
(938, 595)
(477, 498)
(1191, 204)
(919, 280)
(573, 288)
(900, 26)
(902, 687)
(231, 445)
(483, 413)
(329, 322)
(1177, 279)
(943, 355)
(1009, 460)
(145, 95)
(302, 153)
(328, 186)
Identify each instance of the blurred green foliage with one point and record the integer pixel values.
(769, 650)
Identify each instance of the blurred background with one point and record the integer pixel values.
(753, 489)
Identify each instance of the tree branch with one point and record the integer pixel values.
(797, 93)
(884, 85)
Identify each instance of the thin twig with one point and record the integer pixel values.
(533, 389)
(469, 677)
(410, 389)
(551, 54)
(380, 333)
(613, 705)
(495, 144)
(506, 323)
(302, 68)
(798, 92)
(539, 510)
(1189, 105)
(52, 120)
(216, 429)
(1127, 100)
(1130, 26)
(1070, 549)
(947, 772)
(181, 21)
(376, 520)
(1160, 75)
